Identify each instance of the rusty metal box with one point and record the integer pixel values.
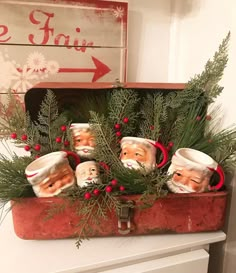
(174, 213)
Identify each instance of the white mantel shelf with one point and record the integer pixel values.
(95, 255)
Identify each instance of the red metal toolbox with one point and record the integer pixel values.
(174, 213)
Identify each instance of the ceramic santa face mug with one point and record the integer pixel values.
(51, 173)
(86, 173)
(83, 139)
(138, 153)
(191, 171)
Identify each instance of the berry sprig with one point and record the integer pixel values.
(111, 187)
(62, 138)
(118, 127)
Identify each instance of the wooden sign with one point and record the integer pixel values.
(61, 41)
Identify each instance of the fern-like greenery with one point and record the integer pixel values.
(48, 124)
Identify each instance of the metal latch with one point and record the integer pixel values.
(125, 213)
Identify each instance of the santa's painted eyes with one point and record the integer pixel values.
(197, 182)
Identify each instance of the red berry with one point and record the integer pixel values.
(208, 117)
(108, 189)
(27, 147)
(118, 133)
(13, 135)
(87, 195)
(122, 188)
(117, 126)
(37, 147)
(198, 118)
(66, 143)
(114, 182)
(170, 144)
(96, 192)
(24, 137)
(125, 120)
(151, 127)
(58, 139)
(37, 156)
(63, 128)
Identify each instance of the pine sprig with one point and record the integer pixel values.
(223, 148)
(188, 129)
(150, 126)
(13, 182)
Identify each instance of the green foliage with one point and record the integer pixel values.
(12, 116)
(106, 149)
(123, 104)
(208, 80)
(47, 128)
(13, 182)
(150, 126)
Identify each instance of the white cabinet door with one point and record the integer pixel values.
(189, 262)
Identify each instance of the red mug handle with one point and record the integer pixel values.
(164, 152)
(221, 174)
(74, 155)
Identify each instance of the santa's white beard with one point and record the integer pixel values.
(133, 164)
(178, 187)
(83, 182)
(84, 151)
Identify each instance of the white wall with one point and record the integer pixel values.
(198, 28)
(148, 40)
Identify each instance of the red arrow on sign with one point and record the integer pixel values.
(99, 71)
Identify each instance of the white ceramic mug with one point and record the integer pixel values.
(51, 173)
(83, 139)
(137, 153)
(191, 171)
(87, 173)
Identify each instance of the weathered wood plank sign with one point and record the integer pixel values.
(61, 41)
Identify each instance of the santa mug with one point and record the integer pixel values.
(140, 153)
(83, 139)
(191, 171)
(51, 173)
(87, 173)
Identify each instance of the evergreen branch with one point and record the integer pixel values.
(13, 183)
(150, 125)
(12, 116)
(47, 115)
(207, 81)
(106, 149)
(123, 103)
